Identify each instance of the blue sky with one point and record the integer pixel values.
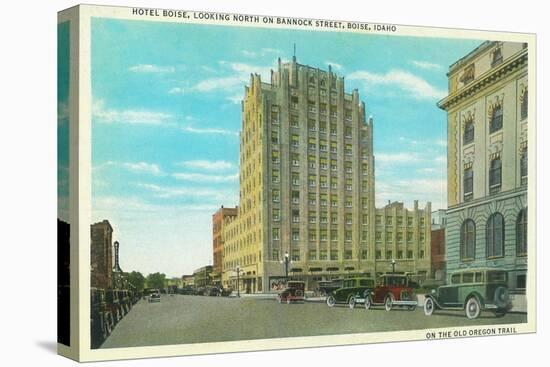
(166, 117)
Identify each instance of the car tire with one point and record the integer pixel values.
(351, 302)
(368, 303)
(388, 302)
(473, 308)
(429, 306)
(331, 301)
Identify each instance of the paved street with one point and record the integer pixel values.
(190, 319)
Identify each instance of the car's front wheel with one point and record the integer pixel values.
(331, 301)
(473, 308)
(351, 302)
(368, 303)
(388, 302)
(429, 306)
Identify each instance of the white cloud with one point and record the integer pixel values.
(195, 130)
(176, 90)
(426, 65)
(149, 68)
(204, 178)
(335, 66)
(223, 83)
(142, 117)
(143, 167)
(207, 165)
(240, 75)
(262, 52)
(139, 167)
(408, 157)
(432, 190)
(413, 85)
(208, 195)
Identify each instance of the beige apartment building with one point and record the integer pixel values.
(487, 109)
(307, 188)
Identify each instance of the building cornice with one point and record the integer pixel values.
(484, 80)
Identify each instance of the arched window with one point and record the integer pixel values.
(495, 235)
(496, 119)
(524, 105)
(468, 240)
(469, 131)
(521, 233)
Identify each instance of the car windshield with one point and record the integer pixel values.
(496, 276)
(365, 282)
(401, 281)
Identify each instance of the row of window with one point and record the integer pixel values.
(323, 235)
(494, 236)
(399, 220)
(496, 119)
(313, 255)
(495, 175)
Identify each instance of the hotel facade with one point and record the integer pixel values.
(307, 189)
(487, 109)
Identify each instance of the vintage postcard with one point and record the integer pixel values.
(232, 182)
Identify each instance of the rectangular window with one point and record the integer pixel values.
(495, 175)
(347, 132)
(348, 184)
(295, 179)
(378, 255)
(324, 218)
(312, 180)
(365, 219)
(275, 156)
(389, 237)
(323, 255)
(276, 196)
(312, 218)
(334, 235)
(468, 184)
(323, 127)
(295, 197)
(364, 254)
(293, 121)
(275, 233)
(295, 235)
(323, 235)
(312, 143)
(333, 147)
(334, 218)
(276, 215)
(334, 254)
(333, 165)
(323, 145)
(324, 182)
(399, 236)
(348, 254)
(323, 199)
(378, 236)
(295, 140)
(347, 236)
(348, 218)
(323, 164)
(311, 125)
(295, 255)
(312, 254)
(348, 149)
(312, 235)
(333, 129)
(334, 200)
(312, 199)
(275, 137)
(409, 254)
(295, 159)
(364, 203)
(348, 166)
(389, 254)
(524, 166)
(275, 254)
(296, 216)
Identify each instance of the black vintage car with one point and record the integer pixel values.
(326, 287)
(292, 292)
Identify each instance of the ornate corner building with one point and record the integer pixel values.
(306, 203)
(487, 109)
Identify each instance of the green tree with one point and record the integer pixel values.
(156, 280)
(137, 280)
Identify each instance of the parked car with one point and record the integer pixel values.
(226, 292)
(212, 291)
(326, 287)
(392, 290)
(154, 297)
(472, 290)
(292, 292)
(352, 291)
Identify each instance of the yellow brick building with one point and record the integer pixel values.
(306, 184)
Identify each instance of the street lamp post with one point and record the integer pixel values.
(286, 261)
(238, 281)
(393, 265)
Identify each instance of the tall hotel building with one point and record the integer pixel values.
(306, 184)
(487, 110)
